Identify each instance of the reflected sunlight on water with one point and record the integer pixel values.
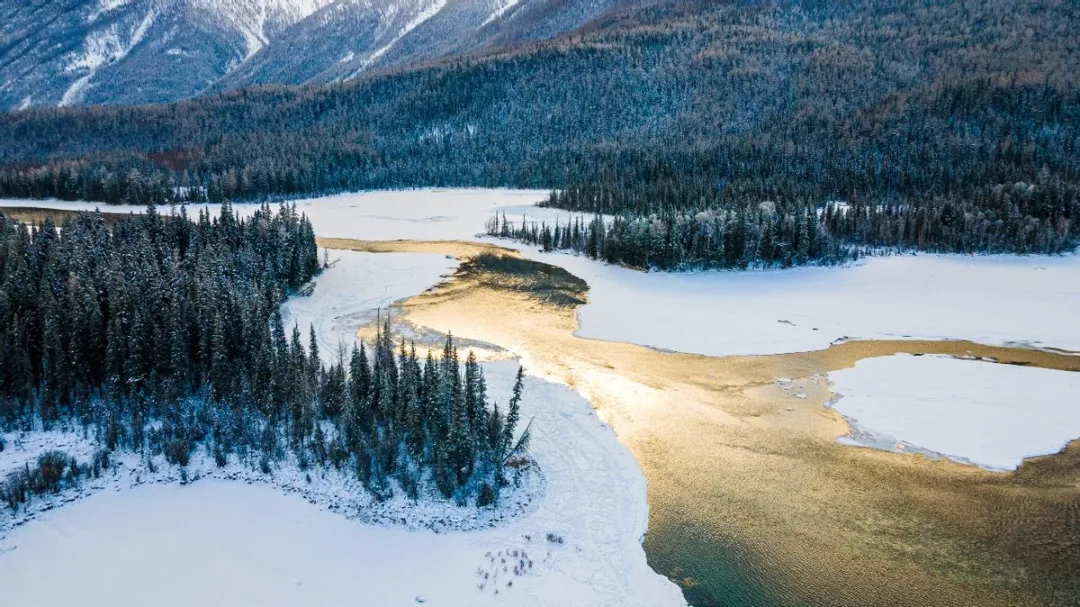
(751, 499)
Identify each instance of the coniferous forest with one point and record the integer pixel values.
(163, 335)
(1021, 218)
(940, 126)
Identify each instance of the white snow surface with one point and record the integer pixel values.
(419, 214)
(255, 20)
(251, 17)
(423, 214)
(999, 299)
(82, 205)
(501, 7)
(105, 6)
(594, 494)
(989, 414)
(230, 543)
(350, 292)
(428, 12)
(99, 48)
(22, 448)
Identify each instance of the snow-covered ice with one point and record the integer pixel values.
(722, 313)
(989, 414)
(421, 214)
(214, 543)
(1000, 299)
(429, 214)
(231, 543)
(349, 293)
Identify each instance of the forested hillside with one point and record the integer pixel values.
(949, 125)
(162, 336)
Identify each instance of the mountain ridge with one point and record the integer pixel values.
(106, 52)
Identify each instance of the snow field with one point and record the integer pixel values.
(425, 214)
(1000, 300)
(349, 293)
(593, 496)
(723, 313)
(432, 214)
(422, 214)
(21, 448)
(992, 415)
(147, 544)
(333, 490)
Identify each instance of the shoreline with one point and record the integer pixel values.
(771, 495)
(588, 491)
(638, 390)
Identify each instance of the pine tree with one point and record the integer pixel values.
(513, 413)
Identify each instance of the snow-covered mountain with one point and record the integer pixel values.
(63, 52)
(69, 52)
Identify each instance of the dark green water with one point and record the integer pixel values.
(712, 572)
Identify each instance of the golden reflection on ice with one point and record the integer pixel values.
(751, 499)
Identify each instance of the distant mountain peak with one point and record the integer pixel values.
(84, 52)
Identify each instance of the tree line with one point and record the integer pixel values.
(750, 237)
(164, 335)
(703, 231)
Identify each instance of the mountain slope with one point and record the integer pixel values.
(85, 52)
(130, 51)
(351, 37)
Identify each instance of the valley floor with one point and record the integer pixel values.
(1012, 300)
(718, 383)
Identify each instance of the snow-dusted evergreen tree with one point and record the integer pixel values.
(163, 336)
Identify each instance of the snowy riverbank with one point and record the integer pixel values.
(421, 214)
(579, 518)
(998, 300)
(721, 313)
(991, 415)
(350, 292)
(593, 493)
(592, 502)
